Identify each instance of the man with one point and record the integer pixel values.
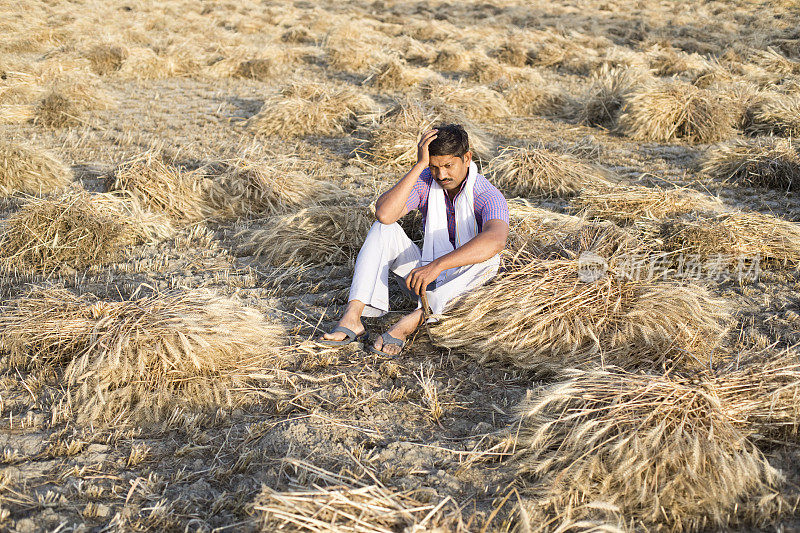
(466, 226)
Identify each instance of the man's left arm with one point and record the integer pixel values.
(489, 242)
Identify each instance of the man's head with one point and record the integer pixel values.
(450, 156)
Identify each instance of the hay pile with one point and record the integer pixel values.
(549, 315)
(140, 360)
(396, 74)
(394, 138)
(774, 114)
(316, 235)
(339, 502)
(106, 58)
(627, 204)
(353, 47)
(634, 451)
(772, 163)
(16, 113)
(310, 108)
(452, 58)
(75, 230)
(478, 103)
(259, 188)
(27, 169)
(67, 100)
(538, 98)
(676, 110)
(610, 88)
(165, 188)
(761, 391)
(731, 236)
(551, 235)
(538, 171)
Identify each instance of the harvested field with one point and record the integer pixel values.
(184, 190)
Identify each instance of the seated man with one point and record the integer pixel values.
(466, 226)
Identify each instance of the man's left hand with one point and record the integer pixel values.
(419, 278)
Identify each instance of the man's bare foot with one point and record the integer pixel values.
(351, 319)
(401, 330)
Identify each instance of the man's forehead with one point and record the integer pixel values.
(442, 160)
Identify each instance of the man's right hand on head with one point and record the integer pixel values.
(423, 157)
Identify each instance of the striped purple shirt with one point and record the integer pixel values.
(489, 202)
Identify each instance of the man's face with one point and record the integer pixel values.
(450, 171)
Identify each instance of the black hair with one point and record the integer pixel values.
(451, 139)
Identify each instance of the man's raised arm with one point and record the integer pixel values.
(391, 205)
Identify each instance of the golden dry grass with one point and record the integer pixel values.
(771, 163)
(638, 451)
(627, 204)
(310, 108)
(315, 235)
(676, 110)
(261, 188)
(393, 140)
(479, 103)
(29, 169)
(77, 230)
(538, 171)
(140, 360)
(547, 234)
(165, 188)
(751, 236)
(538, 98)
(548, 316)
(774, 114)
(601, 103)
(396, 74)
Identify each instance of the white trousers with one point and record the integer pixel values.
(388, 248)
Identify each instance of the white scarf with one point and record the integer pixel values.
(437, 239)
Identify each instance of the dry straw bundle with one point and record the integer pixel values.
(549, 315)
(162, 187)
(676, 110)
(761, 391)
(106, 58)
(352, 506)
(28, 169)
(547, 234)
(452, 58)
(610, 88)
(637, 451)
(353, 47)
(774, 114)
(772, 163)
(68, 99)
(315, 235)
(478, 102)
(626, 204)
(538, 171)
(76, 230)
(259, 188)
(139, 360)
(16, 113)
(538, 98)
(396, 74)
(310, 108)
(394, 138)
(751, 236)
